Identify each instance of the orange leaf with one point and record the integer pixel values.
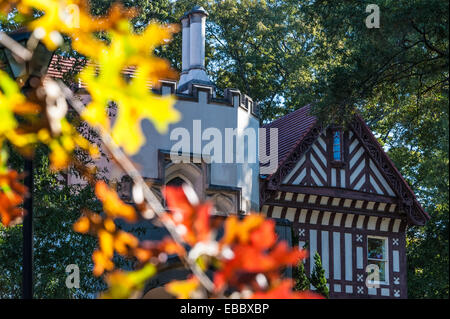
(169, 246)
(264, 236)
(112, 204)
(123, 241)
(236, 230)
(82, 225)
(101, 263)
(11, 195)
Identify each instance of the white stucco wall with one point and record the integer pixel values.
(211, 115)
(208, 114)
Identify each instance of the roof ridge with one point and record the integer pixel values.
(288, 115)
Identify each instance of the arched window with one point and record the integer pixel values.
(177, 181)
(185, 173)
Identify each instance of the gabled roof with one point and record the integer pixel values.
(299, 129)
(292, 128)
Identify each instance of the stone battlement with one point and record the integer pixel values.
(232, 97)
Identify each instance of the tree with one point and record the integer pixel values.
(286, 54)
(38, 117)
(318, 279)
(56, 207)
(302, 282)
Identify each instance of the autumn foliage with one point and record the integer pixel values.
(245, 262)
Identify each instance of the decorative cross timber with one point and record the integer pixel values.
(359, 277)
(360, 290)
(395, 241)
(359, 238)
(396, 280)
(397, 293)
(301, 232)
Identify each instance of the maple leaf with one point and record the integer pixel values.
(134, 99)
(112, 204)
(13, 101)
(106, 243)
(89, 221)
(251, 259)
(110, 240)
(135, 104)
(124, 241)
(254, 250)
(183, 289)
(264, 236)
(9, 96)
(193, 217)
(71, 17)
(128, 284)
(82, 225)
(101, 263)
(63, 145)
(239, 231)
(11, 195)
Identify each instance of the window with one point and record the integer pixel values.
(377, 253)
(337, 149)
(177, 181)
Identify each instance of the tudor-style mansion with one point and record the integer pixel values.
(346, 201)
(335, 186)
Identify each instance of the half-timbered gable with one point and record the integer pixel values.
(346, 201)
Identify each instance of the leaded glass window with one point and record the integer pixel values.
(337, 149)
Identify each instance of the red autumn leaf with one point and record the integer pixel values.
(177, 201)
(11, 195)
(252, 260)
(194, 218)
(202, 221)
(264, 236)
(287, 256)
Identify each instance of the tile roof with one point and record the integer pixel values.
(61, 65)
(292, 128)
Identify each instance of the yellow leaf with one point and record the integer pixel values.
(183, 289)
(126, 284)
(134, 99)
(106, 243)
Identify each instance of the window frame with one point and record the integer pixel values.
(337, 163)
(385, 259)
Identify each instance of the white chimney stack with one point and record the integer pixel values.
(193, 55)
(185, 56)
